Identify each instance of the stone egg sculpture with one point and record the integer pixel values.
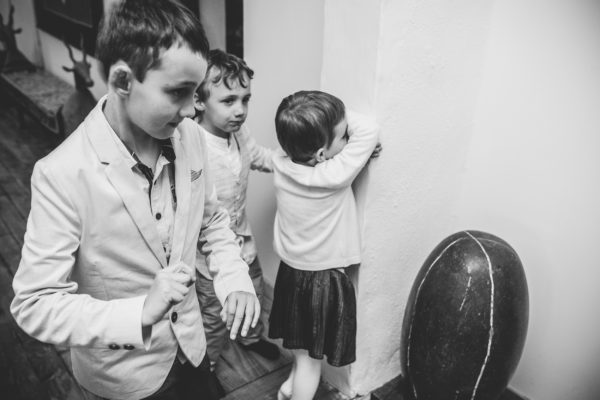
(465, 321)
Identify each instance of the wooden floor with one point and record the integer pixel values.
(30, 370)
(398, 389)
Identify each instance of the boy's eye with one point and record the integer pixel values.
(228, 101)
(179, 93)
(246, 100)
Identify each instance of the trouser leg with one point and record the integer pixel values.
(210, 307)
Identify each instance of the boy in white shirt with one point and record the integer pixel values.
(222, 104)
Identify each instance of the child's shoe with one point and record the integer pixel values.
(281, 395)
(266, 349)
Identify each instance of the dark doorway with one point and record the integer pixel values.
(234, 25)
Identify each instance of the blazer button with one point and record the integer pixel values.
(128, 347)
(174, 316)
(158, 216)
(114, 346)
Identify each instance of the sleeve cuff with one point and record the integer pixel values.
(125, 328)
(240, 282)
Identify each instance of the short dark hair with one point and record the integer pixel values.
(135, 31)
(224, 67)
(304, 123)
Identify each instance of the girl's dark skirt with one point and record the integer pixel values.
(315, 311)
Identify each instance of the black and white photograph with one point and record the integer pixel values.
(299, 199)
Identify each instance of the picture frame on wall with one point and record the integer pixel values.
(75, 21)
(76, 11)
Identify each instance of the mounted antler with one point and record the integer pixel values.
(80, 69)
(79, 104)
(13, 59)
(7, 32)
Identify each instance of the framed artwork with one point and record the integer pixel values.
(234, 26)
(75, 21)
(192, 5)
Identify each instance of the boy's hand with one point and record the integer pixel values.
(170, 286)
(240, 306)
(376, 151)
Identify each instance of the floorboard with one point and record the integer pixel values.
(237, 367)
(11, 218)
(31, 369)
(396, 390)
(264, 388)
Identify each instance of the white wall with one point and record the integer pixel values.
(350, 71)
(533, 177)
(212, 17)
(426, 58)
(490, 121)
(283, 42)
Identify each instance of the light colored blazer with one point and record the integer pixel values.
(231, 189)
(91, 252)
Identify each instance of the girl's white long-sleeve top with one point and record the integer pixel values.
(316, 223)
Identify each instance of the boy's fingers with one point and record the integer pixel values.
(181, 277)
(223, 313)
(176, 297)
(182, 273)
(248, 318)
(238, 318)
(230, 311)
(177, 293)
(256, 313)
(181, 267)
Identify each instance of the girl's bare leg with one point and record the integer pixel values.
(285, 390)
(306, 376)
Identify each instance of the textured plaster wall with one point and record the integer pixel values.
(489, 113)
(533, 178)
(417, 67)
(489, 117)
(350, 64)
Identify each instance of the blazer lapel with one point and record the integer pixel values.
(182, 189)
(121, 177)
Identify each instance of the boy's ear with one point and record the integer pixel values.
(120, 79)
(198, 105)
(320, 155)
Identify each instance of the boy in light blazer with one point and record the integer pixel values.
(117, 212)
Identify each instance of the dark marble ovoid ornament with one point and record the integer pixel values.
(465, 321)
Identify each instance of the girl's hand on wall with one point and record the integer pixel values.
(376, 151)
